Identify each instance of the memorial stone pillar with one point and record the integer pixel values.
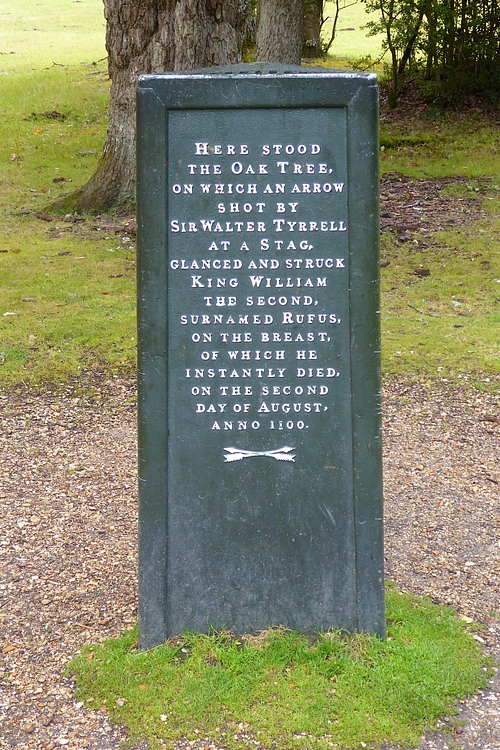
(260, 481)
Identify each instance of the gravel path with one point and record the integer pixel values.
(68, 542)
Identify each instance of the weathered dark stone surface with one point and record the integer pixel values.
(259, 425)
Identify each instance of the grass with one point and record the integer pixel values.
(286, 689)
(34, 36)
(67, 302)
(447, 323)
(67, 295)
(351, 42)
(64, 313)
(441, 145)
(67, 298)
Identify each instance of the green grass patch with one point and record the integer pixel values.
(441, 145)
(398, 141)
(65, 306)
(46, 33)
(67, 296)
(52, 125)
(286, 689)
(445, 323)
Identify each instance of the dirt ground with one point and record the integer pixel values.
(68, 528)
(69, 557)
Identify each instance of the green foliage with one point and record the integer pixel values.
(396, 141)
(287, 688)
(452, 46)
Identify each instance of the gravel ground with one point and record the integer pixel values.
(68, 543)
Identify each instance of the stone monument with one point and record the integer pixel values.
(260, 481)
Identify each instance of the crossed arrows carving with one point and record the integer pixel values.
(280, 454)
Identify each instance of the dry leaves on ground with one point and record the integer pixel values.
(417, 209)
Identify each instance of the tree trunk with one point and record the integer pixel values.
(311, 29)
(410, 44)
(151, 36)
(279, 31)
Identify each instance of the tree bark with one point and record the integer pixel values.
(279, 31)
(311, 29)
(151, 36)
